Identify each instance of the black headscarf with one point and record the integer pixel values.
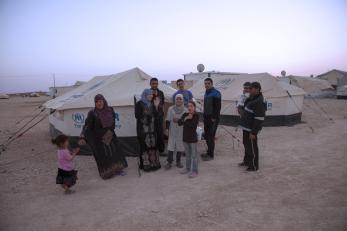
(105, 114)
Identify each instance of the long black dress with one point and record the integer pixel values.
(104, 144)
(146, 127)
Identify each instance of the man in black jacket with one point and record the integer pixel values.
(251, 124)
(212, 107)
(160, 129)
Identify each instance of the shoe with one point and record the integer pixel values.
(69, 191)
(243, 164)
(162, 154)
(193, 175)
(204, 155)
(185, 171)
(168, 166)
(249, 169)
(120, 173)
(179, 165)
(207, 158)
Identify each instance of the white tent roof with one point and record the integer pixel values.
(310, 85)
(4, 96)
(231, 86)
(119, 90)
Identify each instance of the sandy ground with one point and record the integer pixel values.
(302, 183)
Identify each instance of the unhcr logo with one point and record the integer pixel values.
(78, 118)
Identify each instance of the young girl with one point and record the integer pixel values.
(175, 142)
(190, 122)
(67, 176)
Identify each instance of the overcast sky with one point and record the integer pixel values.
(77, 40)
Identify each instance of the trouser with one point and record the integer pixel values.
(251, 158)
(210, 129)
(160, 135)
(191, 156)
(170, 157)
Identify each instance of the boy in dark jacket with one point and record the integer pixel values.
(212, 107)
(251, 124)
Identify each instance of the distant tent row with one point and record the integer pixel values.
(119, 89)
(332, 76)
(313, 87)
(284, 101)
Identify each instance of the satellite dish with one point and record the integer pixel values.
(283, 73)
(200, 67)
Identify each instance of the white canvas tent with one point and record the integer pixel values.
(119, 89)
(4, 96)
(314, 87)
(284, 101)
(341, 90)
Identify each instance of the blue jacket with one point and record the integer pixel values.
(212, 104)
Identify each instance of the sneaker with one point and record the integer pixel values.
(185, 171)
(193, 175)
(120, 173)
(69, 191)
(243, 164)
(179, 165)
(250, 169)
(168, 166)
(207, 158)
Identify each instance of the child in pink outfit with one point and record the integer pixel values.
(66, 176)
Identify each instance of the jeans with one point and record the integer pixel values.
(191, 156)
(170, 157)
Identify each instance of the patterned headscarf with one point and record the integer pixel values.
(144, 95)
(105, 114)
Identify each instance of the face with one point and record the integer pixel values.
(254, 91)
(99, 104)
(65, 144)
(154, 84)
(180, 85)
(179, 101)
(149, 97)
(191, 108)
(246, 89)
(208, 85)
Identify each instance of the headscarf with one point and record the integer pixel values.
(179, 109)
(144, 95)
(105, 114)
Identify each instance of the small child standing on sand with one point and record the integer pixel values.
(66, 176)
(190, 123)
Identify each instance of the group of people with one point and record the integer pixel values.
(181, 124)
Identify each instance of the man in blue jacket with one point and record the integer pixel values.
(212, 107)
(251, 124)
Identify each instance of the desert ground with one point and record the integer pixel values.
(301, 185)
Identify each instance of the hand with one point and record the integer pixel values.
(252, 136)
(189, 117)
(76, 150)
(156, 102)
(82, 141)
(213, 120)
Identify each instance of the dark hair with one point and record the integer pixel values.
(153, 80)
(179, 80)
(247, 84)
(192, 102)
(256, 85)
(208, 79)
(60, 140)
